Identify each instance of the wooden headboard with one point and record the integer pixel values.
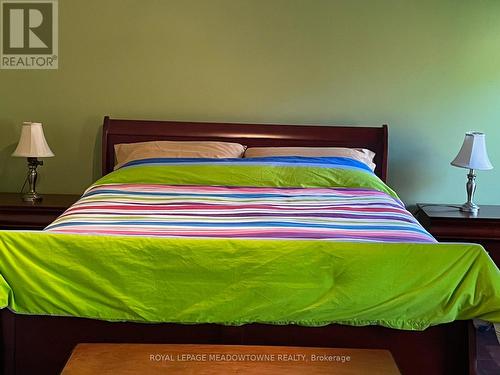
(253, 135)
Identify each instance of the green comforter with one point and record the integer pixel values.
(407, 286)
(236, 281)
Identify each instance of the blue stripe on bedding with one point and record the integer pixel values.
(296, 161)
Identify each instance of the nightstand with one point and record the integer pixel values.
(448, 224)
(16, 214)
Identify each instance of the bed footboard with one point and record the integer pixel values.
(42, 344)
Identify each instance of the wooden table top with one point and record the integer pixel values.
(452, 211)
(14, 200)
(128, 359)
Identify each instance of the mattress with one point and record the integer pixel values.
(284, 240)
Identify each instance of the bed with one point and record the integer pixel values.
(40, 335)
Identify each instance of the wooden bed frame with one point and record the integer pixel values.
(251, 135)
(42, 344)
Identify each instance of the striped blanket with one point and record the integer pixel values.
(164, 210)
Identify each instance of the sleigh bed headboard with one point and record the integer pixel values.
(252, 135)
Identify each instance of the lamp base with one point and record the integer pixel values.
(32, 197)
(469, 207)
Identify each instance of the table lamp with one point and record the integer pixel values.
(32, 145)
(473, 156)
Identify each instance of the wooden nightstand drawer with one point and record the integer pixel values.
(475, 230)
(16, 214)
(448, 224)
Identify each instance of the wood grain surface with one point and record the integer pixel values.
(217, 359)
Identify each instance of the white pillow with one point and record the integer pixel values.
(127, 152)
(360, 154)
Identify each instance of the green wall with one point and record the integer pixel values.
(430, 69)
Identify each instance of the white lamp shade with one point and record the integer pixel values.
(32, 143)
(473, 153)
